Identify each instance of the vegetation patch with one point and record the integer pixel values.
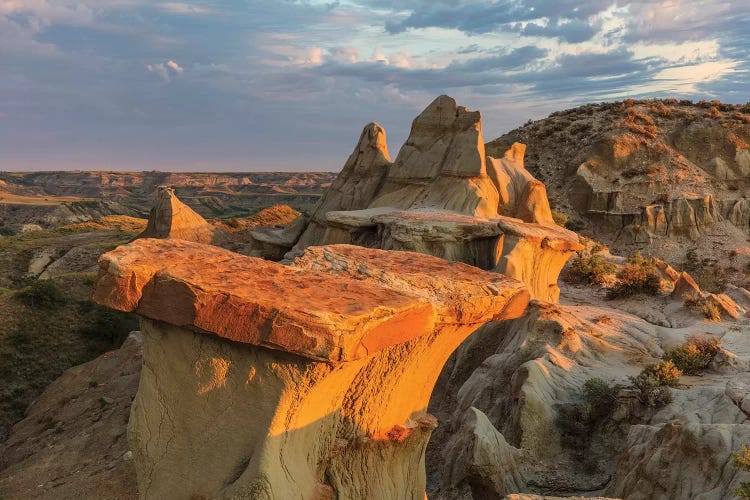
(591, 267)
(652, 384)
(742, 462)
(580, 420)
(43, 293)
(48, 327)
(638, 276)
(695, 354)
(560, 218)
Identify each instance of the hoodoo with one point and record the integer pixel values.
(304, 381)
(441, 196)
(170, 218)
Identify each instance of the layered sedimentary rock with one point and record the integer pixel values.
(304, 381)
(684, 217)
(170, 218)
(441, 196)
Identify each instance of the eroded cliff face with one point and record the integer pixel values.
(663, 177)
(303, 381)
(441, 196)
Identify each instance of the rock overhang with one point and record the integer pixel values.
(337, 303)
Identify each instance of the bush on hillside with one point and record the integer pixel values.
(592, 269)
(695, 354)
(560, 218)
(654, 381)
(742, 462)
(43, 293)
(638, 276)
(579, 420)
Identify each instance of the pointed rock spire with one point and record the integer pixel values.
(171, 219)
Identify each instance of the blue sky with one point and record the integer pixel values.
(288, 85)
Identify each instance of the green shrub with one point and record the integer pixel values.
(579, 420)
(592, 269)
(742, 462)
(107, 324)
(653, 382)
(638, 276)
(601, 397)
(43, 293)
(560, 218)
(7, 231)
(711, 311)
(695, 354)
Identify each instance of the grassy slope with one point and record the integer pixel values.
(37, 342)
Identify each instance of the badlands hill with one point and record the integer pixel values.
(665, 177)
(412, 340)
(51, 199)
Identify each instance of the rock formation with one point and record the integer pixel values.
(170, 218)
(353, 189)
(501, 397)
(441, 196)
(306, 381)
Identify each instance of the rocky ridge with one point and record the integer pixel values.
(52, 198)
(661, 176)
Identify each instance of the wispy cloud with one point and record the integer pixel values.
(165, 70)
(269, 84)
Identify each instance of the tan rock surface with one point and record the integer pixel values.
(188, 284)
(170, 218)
(269, 415)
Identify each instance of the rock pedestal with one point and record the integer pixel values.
(307, 381)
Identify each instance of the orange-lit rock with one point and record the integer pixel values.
(170, 218)
(685, 287)
(267, 381)
(532, 253)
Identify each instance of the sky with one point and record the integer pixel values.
(261, 85)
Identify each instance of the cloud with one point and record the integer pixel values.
(165, 70)
(269, 84)
(184, 8)
(509, 60)
(174, 66)
(575, 31)
(484, 17)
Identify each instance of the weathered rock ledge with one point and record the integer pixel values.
(304, 381)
